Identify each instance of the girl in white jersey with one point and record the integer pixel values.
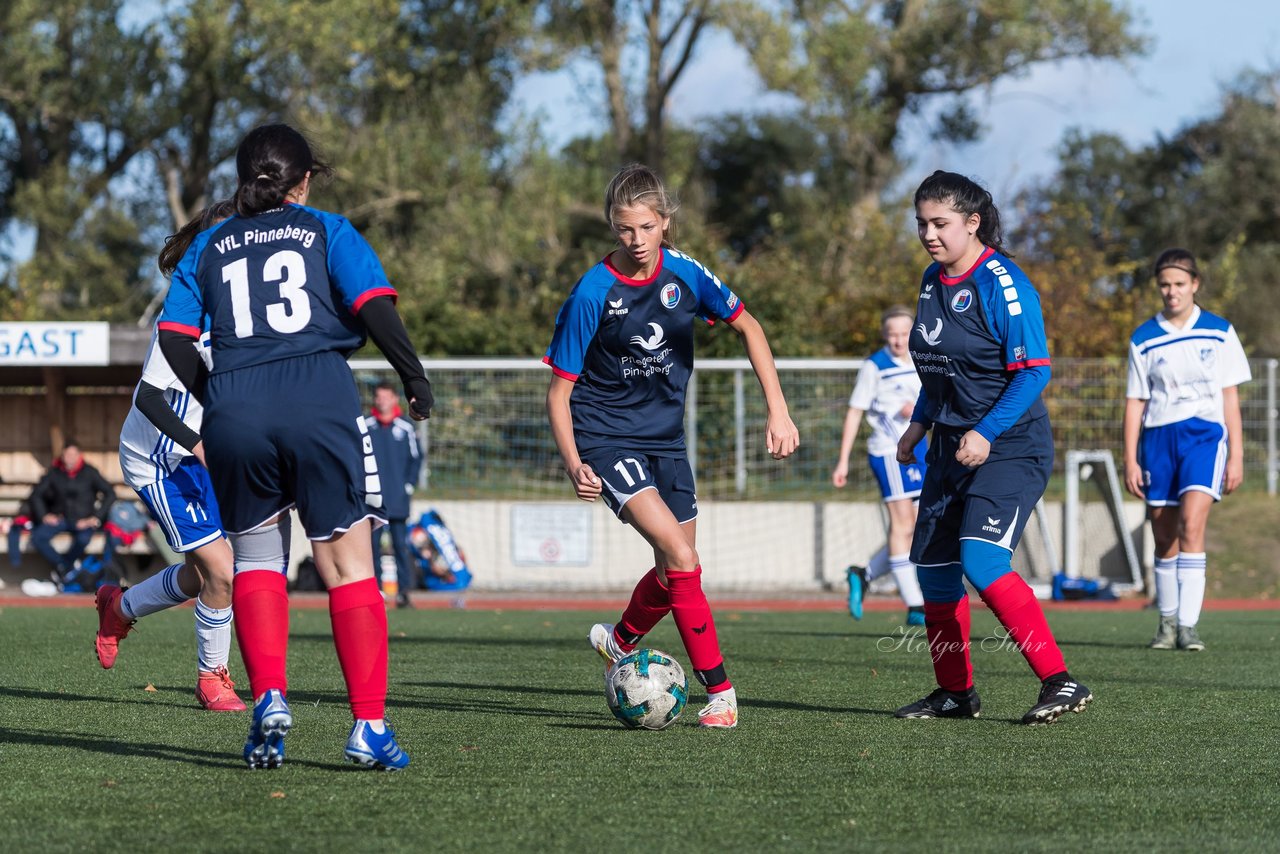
(1183, 440)
(161, 457)
(886, 392)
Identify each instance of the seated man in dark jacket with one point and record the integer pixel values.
(73, 497)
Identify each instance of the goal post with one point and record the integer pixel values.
(1082, 465)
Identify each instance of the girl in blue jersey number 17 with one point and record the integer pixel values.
(621, 356)
(1183, 439)
(979, 347)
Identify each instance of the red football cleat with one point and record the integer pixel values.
(111, 628)
(214, 690)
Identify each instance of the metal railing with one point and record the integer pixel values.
(488, 435)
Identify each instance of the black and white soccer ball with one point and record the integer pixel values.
(646, 689)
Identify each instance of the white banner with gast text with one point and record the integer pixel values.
(71, 343)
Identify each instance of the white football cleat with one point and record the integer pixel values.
(720, 713)
(603, 642)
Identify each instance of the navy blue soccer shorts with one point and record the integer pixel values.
(1186, 455)
(290, 433)
(992, 502)
(184, 506)
(625, 474)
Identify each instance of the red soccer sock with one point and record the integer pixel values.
(1015, 606)
(947, 626)
(650, 602)
(692, 614)
(260, 600)
(359, 618)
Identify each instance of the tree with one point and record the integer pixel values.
(665, 34)
(860, 68)
(74, 93)
(1205, 187)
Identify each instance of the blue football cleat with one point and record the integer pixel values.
(915, 616)
(375, 750)
(857, 577)
(271, 723)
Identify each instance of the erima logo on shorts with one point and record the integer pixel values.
(654, 341)
(992, 526)
(961, 301)
(670, 296)
(931, 338)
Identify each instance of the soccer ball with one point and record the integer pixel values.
(646, 689)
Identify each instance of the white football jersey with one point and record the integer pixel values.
(147, 455)
(884, 386)
(1181, 372)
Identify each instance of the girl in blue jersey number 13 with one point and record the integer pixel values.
(288, 292)
(621, 356)
(979, 347)
(1183, 438)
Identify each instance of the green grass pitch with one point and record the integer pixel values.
(514, 750)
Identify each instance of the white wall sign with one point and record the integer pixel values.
(55, 344)
(550, 535)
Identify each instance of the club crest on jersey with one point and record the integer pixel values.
(1019, 353)
(670, 295)
(962, 300)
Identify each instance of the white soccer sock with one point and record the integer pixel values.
(728, 694)
(213, 636)
(379, 726)
(904, 572)
(156, 593)
(1190, 587)
(1167, 585)
(879, 564)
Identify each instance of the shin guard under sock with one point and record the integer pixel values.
(650, 602)
(947, 627)
(359, 618)
(1015, 606)
(260, 601)
(692, 614)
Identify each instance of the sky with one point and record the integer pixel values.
(1196, 47)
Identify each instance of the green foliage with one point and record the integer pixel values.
(1096, 227)
(860, 69)
(114, 133)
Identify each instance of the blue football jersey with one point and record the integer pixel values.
(972, 332)
(627, 345)
(285, 283)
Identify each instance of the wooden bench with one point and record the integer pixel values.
(136, 560)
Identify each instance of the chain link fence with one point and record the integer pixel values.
(488, 435)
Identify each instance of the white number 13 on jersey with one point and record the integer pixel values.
(289, 315)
